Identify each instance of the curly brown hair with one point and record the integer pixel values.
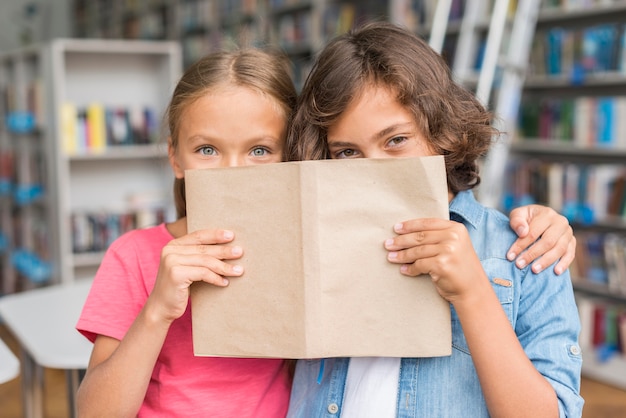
(456, 124)
(267, 71)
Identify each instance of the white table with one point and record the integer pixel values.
(9, 364)
(43, 322)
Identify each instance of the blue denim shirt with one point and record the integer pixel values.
(540, 307)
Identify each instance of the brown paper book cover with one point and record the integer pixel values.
(317, 282)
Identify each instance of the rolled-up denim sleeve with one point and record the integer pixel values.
(548, 327)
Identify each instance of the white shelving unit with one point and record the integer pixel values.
(48, 186)
(113, 73)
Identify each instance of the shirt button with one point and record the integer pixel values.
(333, 408)
(575, 350)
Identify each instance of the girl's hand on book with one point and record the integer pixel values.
(440, 248)
(198, 256)
(544, 237)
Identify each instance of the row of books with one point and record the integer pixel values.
(603, 327)
(28, 245)
(6, 171)
(95, 231)
(239, 7)
(338, 19)
(418, 15)
(586, 122)
(577, 4)
(23, 119)
(577, 52)
(197, 14)
(295, 29)
(584, 194)
(197, 45)
(279, 4)
(149, 24)
(22, 178)
(95, 127)
(30, 265)
(600, 260)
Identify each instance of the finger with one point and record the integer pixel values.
(552, 245)
(414, 239)
(176, 262)
(222, 252)
(417, 268)
(522, 244)
(413, 254)
(520, 218)
(420, 236)
(541, 253)
(189, 274)
(567, 259)
(544, 222)
(421, 224)
(205, 236)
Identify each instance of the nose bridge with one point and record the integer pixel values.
(232, 159)
(373, 152)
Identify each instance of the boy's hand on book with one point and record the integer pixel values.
(439, 248)
(544, 237)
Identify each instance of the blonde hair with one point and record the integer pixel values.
(266, 71)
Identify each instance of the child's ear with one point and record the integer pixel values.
(179, 173)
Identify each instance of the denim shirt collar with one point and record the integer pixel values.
(465, 209)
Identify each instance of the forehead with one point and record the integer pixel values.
(232, 102)
(234, 112)
(373, 105)
(233, 92)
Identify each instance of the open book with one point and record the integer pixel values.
(317, 282)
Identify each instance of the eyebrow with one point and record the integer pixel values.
(390, 129)
(385, 132)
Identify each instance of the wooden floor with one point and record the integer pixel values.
(601, 401)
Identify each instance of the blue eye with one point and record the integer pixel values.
(207, 150)
(259, 152)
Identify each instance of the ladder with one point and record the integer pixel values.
(513, 65)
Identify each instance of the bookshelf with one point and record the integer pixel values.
(300, 27)
(569, 153)
(123, 180)
(25, 249)
(73, 182)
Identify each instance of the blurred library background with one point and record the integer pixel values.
(84, 83)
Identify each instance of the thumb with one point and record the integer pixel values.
(519, 219)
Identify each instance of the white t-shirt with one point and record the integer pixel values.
(371, 387)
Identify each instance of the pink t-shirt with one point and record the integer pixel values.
(181, 384)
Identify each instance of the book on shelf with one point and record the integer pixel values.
(603, 327)
(585, 194)
(615, 257)
(601, 261)
(96, 127)
(35, 101)
(577, 52)
(586, 122)
(294, 29)
(338, 18)
(94, 231)
(93, 128)
(69, 115)
(6, 171)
